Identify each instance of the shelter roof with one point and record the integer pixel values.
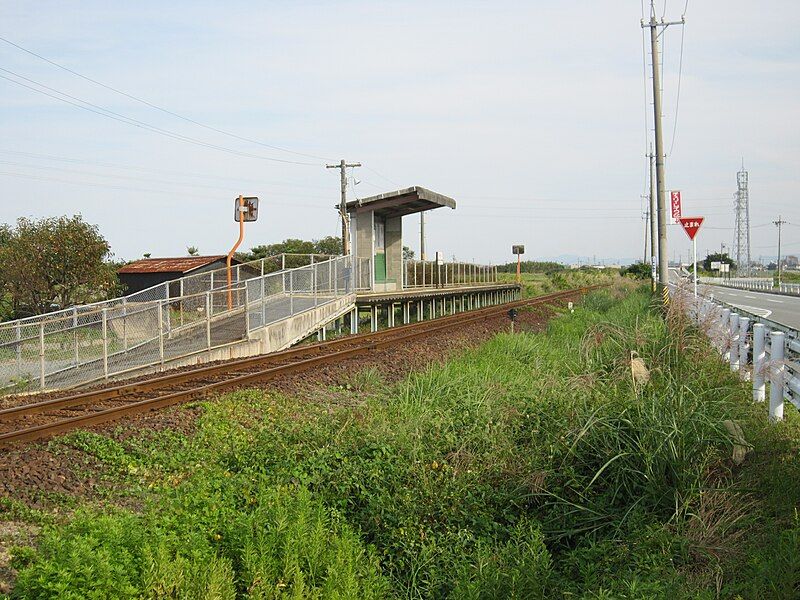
(401, 202)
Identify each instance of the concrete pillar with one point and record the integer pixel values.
(373, 318)
(391, 314)
(420, 311)
(354, 320)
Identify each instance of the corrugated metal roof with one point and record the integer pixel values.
(183, 264)
(401, 202)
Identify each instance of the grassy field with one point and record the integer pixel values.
(536, 284)
(535, 466)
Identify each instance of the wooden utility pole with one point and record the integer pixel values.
(653, 223)
(779, 224)
(654, 25)
(342, 166)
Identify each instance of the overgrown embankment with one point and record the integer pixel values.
(536, 466)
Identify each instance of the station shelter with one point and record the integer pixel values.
(376, 230)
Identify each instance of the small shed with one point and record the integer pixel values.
(147, 272)
(376, 229)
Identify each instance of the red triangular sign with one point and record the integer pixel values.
(691, 225)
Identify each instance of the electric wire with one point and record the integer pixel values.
(678, 93)
(110, 165)
(156, 107)
(93, 108)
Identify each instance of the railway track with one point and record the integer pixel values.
(83, 409)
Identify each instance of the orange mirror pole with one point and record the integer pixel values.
(233, 250)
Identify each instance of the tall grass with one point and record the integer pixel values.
(535, 466)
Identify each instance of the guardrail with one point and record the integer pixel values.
(429, 273)
(763, 284)
(760, 350)
(93, 342)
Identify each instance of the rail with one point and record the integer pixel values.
(180, 386)
(423, 273)
(759, 350)
(152, 327)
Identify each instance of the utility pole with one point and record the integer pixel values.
(646, 219)
(342, 166)
(654, 26)
(779, 223)
(653, 222)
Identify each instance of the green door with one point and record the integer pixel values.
(380, 267)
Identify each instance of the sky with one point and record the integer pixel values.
(531, 115)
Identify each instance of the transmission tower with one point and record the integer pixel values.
(741, 229)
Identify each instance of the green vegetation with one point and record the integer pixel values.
(328, 245)
(55, 262)
(532, 266)
(536, 466)
(536, 284)
(637, 270)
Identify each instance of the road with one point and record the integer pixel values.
(775, 307)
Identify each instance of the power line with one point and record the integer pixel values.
(170, 193)
(108, 165)
(678, 94)
(93, 108)
(155, 106)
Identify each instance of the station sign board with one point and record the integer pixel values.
(675, 205)
(518, 249)
(715, 265)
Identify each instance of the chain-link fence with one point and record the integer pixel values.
(167, 321)
(421, 274)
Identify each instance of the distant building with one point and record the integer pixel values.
(147, 272)
(791, 262)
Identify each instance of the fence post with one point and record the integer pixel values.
(104, 314)
(125, 323)
(744, 329)
(41, 354)
(777, 343)
(247, 310)
(18, 350)
(291, 292)
(75, 334)
(161, 333)
(314, 282)
(734, 342)
(759, 356)
(181, 302)
(208, 321)
(283, 262)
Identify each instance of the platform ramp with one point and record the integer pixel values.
(157, 329)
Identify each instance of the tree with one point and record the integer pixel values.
(637, 270)
(60, 261)
(408, 253)
(192, 250)
(327, 245)
(717, 257)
